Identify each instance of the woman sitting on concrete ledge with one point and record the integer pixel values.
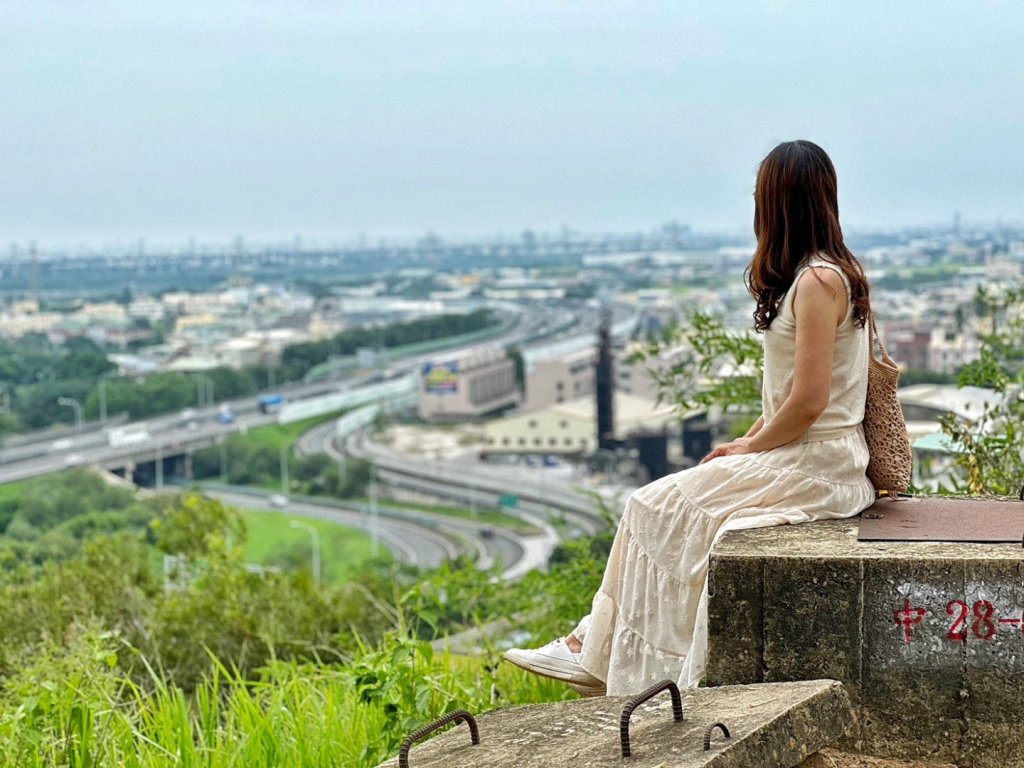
(803, 459)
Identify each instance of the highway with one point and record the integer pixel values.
(41, 453)
(409, 543)
(175, 433)
(462, 478)
(518, 553)
(418, 539)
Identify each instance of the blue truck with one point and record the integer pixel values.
(270, 403)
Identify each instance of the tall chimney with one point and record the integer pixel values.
(605, 383)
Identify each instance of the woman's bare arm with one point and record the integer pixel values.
(756, 427)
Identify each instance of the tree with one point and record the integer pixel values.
(991, 449)
(714, 366)
(198, 527)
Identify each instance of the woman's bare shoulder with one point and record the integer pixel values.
(816, 277)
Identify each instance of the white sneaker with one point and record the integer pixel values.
(588, 690)
(553, 660)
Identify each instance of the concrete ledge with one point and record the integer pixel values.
(772, 726)
(928, 637)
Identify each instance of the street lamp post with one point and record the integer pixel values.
(223, 459)
(342, 472)
(75, 406)
(284, 468)
(315, 543)
(374, 535)
(204, 390)
(103, 394)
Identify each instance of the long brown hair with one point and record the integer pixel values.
(796, 214)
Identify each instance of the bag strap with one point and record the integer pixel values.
(874, 337)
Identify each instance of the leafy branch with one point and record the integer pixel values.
(710, 365)
(991, 449)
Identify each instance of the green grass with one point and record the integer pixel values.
(344, 551)
(276, 435)
(300, 716)
(489, 516)
(12, 491)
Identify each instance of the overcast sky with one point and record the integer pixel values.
(169, 119)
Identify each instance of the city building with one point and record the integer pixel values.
(923, 406)
(562, 378)
(635, 376)
(570, 428)
(475, 383)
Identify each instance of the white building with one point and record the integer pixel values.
(571, 427)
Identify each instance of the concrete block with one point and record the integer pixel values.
(773, 725)
(813, 628)
(993, 644)
(913, 675)
(928, 636)
(734, 618)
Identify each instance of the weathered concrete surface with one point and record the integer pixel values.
(831, 758)
(928, 637)
(772, 726)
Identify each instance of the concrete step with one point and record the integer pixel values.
(927, 637)
(771, 726)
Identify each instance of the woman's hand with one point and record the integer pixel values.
(738, 446)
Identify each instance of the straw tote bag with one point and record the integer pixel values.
(885, 429)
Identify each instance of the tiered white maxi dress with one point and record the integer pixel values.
(648, 621)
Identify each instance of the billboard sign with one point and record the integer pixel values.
(441, 378)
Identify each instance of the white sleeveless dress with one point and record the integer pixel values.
(648, 621)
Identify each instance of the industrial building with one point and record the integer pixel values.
(570, 428)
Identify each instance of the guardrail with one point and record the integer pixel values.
(376, 391)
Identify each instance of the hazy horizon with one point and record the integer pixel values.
(471, 119)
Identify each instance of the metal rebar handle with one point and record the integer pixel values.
(710, 730)
(640, 698)
(451, 717)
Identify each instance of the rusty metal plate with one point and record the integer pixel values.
(931, 518)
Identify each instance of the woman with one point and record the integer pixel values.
(803, 459)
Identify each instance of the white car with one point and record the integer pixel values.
(278, 500)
